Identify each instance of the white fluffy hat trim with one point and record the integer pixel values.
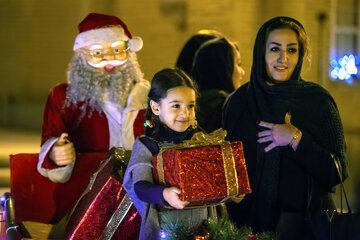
(107, 34)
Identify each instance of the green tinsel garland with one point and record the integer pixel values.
(218, 230)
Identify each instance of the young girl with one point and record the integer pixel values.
(170, 119)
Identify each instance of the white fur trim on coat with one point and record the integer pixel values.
(138, 96)
(121, 120)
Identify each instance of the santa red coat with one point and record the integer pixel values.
(113, 127)
(93, 136)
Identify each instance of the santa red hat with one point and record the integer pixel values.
(101, 28)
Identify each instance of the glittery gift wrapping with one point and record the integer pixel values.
(202, 174)
(94, 212)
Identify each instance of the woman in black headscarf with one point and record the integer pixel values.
(187, 53)
(217, 71)
(291, 131)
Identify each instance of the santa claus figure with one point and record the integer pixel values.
(102, 104)
(101, 107)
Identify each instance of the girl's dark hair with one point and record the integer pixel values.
(213, 65)
(165, 80)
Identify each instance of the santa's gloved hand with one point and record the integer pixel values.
(63, 152)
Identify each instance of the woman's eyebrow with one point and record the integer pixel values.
(279, 44)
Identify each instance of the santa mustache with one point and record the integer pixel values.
(104, 63)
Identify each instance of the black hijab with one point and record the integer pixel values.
(312, 109)
(186, 56)
(308, 102)
(213, 65)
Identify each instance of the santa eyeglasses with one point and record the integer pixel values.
(107, 51)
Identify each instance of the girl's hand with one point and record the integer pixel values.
(63, 152)
(171, 195)
(278, 134)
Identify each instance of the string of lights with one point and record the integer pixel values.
(345, 68)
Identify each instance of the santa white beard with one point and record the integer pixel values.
(93, 86)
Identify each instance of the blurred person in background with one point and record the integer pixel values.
(187, 53)
(217, 70)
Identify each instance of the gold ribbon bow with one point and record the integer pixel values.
(200, 139)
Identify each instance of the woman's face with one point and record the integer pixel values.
(238, 72)
(281, 54)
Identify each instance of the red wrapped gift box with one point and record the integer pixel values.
(104, 211)
(37, 198)
(206, 174)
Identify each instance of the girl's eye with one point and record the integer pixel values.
(274, 49)
(292, 50)
(176, 106)
(191, 106)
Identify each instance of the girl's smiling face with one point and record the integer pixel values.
(177, 109)
(281, 54)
